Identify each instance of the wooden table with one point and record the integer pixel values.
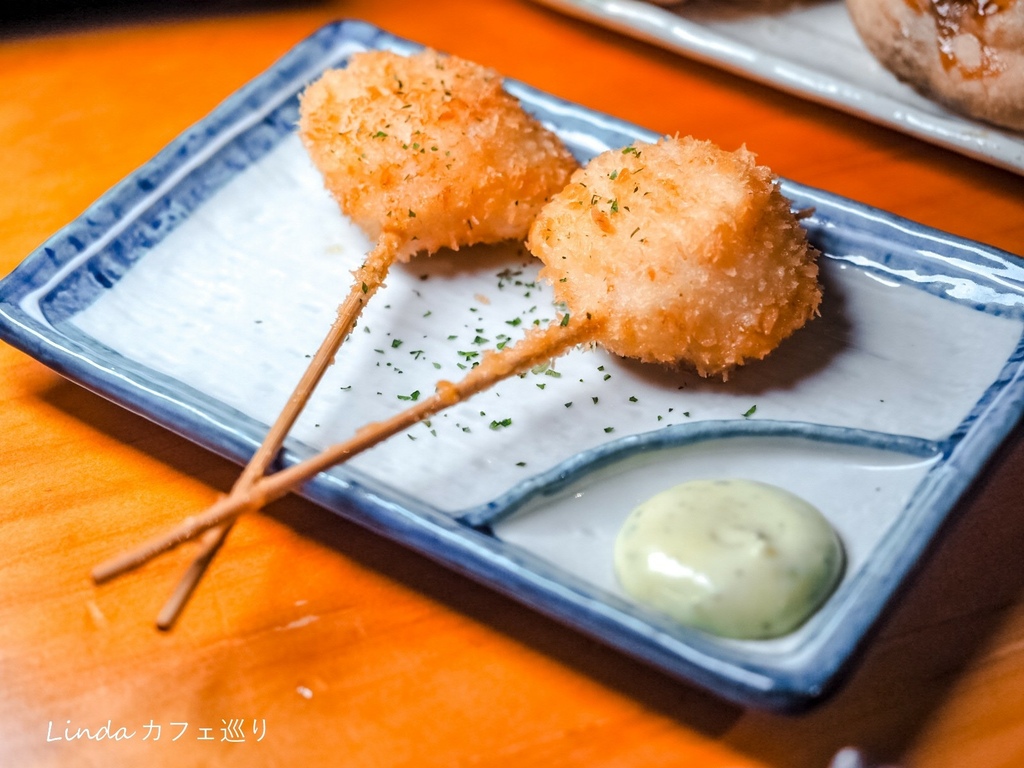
(333, 646)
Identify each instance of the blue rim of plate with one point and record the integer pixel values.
(90, 254)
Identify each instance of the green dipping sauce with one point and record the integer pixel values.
(736, 558)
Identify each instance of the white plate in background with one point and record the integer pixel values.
(810, 49)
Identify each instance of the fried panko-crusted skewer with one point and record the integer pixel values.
(422, 152)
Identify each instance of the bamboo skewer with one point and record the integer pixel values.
(537, 347)
(367, 279)
(211, 543)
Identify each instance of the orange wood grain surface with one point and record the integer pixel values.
(340, 647)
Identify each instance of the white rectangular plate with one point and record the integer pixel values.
(195, 290)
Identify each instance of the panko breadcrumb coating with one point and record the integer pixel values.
(680, 252)
(430, 148)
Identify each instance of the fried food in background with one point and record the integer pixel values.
(966, 54)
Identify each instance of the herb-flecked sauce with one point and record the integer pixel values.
(736, 558)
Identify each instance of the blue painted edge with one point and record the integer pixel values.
(969, 273)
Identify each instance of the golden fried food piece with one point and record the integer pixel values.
(431, 148)
(681, 252)
(966, 54)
